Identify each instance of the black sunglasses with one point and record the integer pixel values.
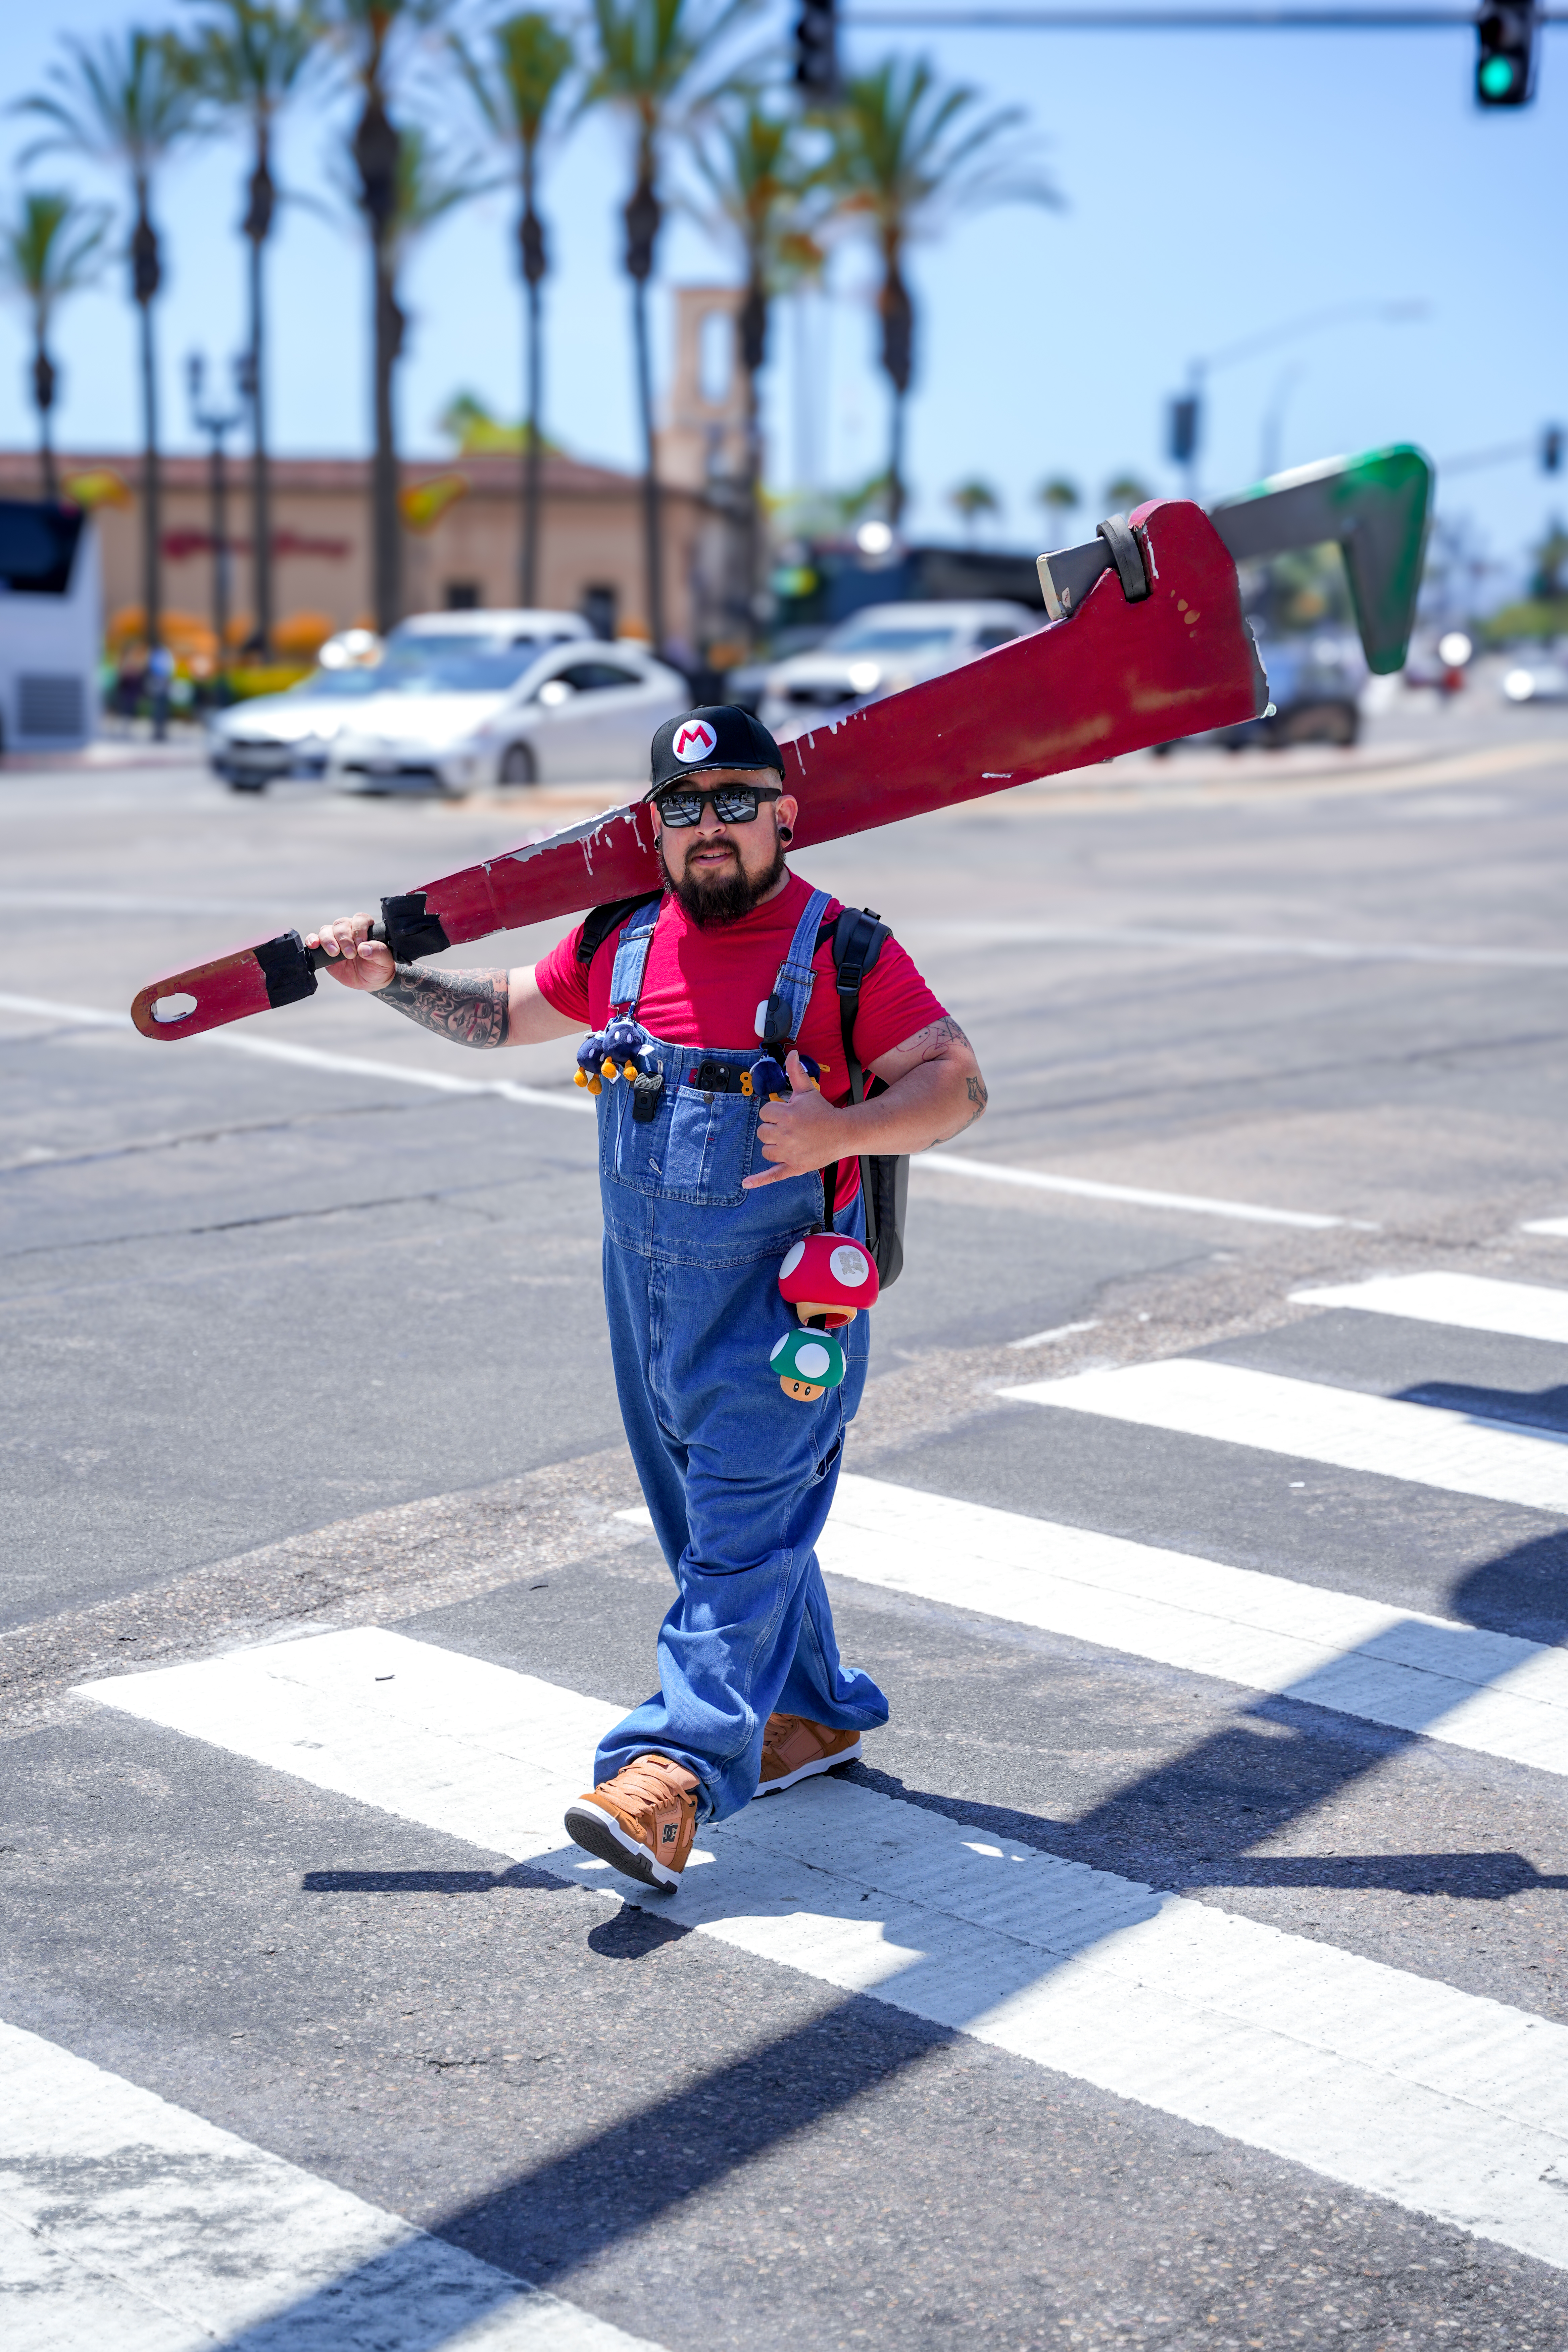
(731, 804)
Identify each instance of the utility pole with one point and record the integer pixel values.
(217, 427)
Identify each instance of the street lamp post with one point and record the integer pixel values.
(217, 427)
(1187, 408)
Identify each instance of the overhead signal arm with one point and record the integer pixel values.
(1506, 30)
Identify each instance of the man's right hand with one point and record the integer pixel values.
(353, 956)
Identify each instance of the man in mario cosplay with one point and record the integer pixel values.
(709, 1179)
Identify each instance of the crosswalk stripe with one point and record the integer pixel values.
(1488, 1692)
(1403, 2087)
(1469, 1302)
(1427, 1444)
(136, 2224)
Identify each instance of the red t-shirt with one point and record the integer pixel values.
(703, 987)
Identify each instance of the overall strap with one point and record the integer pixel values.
(631, 955)
(785, 1010)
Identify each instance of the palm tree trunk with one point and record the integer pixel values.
(898, 316)
(751, 336)
(152, 488)
(260, 467)
(652, 534)
(531, 451)
(376, 148)
(385, 527)
(44, 400)
(896, 460)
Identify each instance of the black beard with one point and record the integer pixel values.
(723, 898)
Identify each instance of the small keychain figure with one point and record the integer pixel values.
(768, 1078)
(827, 1278)
(590, 1063)
(625, 1047)
(808, 1364)
(623, 1050)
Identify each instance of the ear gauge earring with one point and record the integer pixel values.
(786, 835)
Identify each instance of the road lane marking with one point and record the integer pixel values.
(1472, 1688)
(993, 1171)
(136, 2224)
(1469, 1302)
(1554, 1227)
(1430, 1445)
(1451, 2104)
(1057, 1331)
(946, 1163)
(309, 1057)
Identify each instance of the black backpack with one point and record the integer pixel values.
(857, 935)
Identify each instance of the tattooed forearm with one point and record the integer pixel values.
(467, 1007)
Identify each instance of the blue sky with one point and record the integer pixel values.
(1216, 185)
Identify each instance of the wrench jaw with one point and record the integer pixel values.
(256, 977)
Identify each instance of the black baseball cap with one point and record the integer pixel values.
(715, 735)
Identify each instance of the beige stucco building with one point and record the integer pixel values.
(591, 546)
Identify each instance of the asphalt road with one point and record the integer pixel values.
(1231, 1665)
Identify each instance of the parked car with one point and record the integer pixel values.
(747, 684)
(1539, 677)
(878, 651)
(1315, 685)
(293, 733)
(573, 713)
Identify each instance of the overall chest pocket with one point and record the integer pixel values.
(698, 1147)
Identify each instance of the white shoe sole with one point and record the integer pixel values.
(804, 1771)
(601, 1834)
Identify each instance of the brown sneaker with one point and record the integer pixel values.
(642, 1822)
(794, 1747)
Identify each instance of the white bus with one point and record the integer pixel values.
(51, 626)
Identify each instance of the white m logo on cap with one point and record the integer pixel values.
(694, 740)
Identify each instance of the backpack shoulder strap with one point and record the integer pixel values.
(858, 937)
(856, 934)
(600, 922)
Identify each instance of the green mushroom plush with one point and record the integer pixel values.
(808, 1364)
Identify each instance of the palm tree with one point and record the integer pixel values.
(531, 58)
(368, 32)
(126, 102)
(247, 60)
(1060, 495)
(763, 189)
(909, 154)
(52, 247)
(972, 500)
(1125, 491)
(650, 52)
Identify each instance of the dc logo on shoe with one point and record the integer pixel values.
(666, 1835)
(694, 740)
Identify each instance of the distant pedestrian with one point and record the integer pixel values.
(130, 681)
(160, 679)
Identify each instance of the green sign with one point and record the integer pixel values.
(1376, 507)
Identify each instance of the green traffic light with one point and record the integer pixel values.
(1497, 77)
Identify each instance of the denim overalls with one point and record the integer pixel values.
(738, 1479)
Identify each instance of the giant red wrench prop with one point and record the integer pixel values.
(1153, 645)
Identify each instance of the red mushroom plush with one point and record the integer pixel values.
(827, 1279)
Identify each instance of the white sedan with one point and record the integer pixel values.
(476, 656)
(880, 650)
(579, 713)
